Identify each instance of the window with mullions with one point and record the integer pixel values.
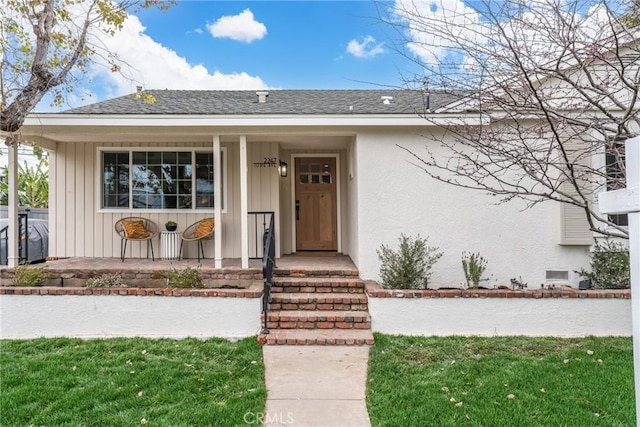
(157, 179)
(615, 158)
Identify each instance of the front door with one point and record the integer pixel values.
(316, 207)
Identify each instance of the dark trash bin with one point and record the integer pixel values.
(38, 240)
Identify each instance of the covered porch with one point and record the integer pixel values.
(75, 271)
(256, 171)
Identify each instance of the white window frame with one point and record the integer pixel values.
(130, 150)
(610, 169)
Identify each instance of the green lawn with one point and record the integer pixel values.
(412, 382)
(456, 381)
(128, 382)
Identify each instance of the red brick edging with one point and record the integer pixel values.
(252, 292)
(374, 290)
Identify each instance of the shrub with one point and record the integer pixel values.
(107, 281)
(186, 278)
(609, 266)
(473, 266)
(30, 276)
(410, 266)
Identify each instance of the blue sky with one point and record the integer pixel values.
(246, 45)
(251, 45)
(200, 44)
(304, 44)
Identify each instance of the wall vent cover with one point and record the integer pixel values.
(557, 275)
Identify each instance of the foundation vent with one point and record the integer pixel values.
(557, 275)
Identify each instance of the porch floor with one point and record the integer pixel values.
(286, 262)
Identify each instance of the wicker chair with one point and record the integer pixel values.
(136, 229)
(198, 232)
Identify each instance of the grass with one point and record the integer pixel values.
(126, 382)
(511, 381)
(448, 381)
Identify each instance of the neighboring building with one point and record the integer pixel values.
(349, 187)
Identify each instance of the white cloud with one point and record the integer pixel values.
(145, 61)
(367, 48)
(434, 28)
(444, 32)
(198, 31)
(242, 27)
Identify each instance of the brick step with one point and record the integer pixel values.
(315, 284)
(318, 301)
(319, 320)
(317, 337)
(281, 272)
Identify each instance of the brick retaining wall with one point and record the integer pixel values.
(255, 291)
(374, 290)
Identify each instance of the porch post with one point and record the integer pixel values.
(217, 201)
(244, 203)
(14, 233)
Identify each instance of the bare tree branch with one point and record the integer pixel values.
(558, 80)
(43, 42)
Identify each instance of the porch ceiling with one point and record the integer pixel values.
(289, 138)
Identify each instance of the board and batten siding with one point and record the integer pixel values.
(264, 190)
(78, 228)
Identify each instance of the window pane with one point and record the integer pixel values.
(615, 158)
(620, 219)
(204, 180)
(184, 202)
(170, 158)
(168, 179)
(170, 202)
(154, 157)
(146, 187)
(139, 157)
(184, 158)
(115, 180)
(185, 172)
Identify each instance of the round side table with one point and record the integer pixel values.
(170, 244)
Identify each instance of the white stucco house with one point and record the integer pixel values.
(348, 188)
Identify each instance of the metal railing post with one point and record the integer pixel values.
(268, 265)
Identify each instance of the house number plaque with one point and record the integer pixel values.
(267, 162)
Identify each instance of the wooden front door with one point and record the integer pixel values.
(316, 210)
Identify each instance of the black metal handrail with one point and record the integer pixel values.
(258, 225)
(268, 265)
(23, 240)
(4, 237)
(23, 237)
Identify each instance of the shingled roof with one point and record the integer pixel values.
(293, 102)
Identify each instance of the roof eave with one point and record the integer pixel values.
(166, 120)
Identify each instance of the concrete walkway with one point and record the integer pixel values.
(316, 386)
